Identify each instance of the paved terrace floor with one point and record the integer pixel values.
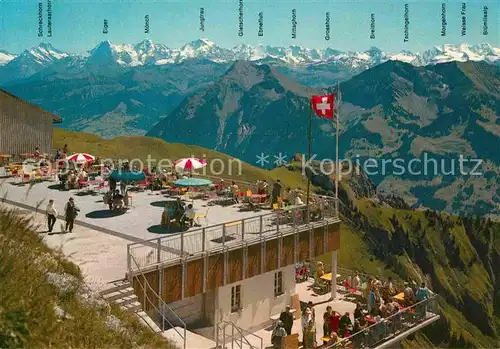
(141, 222)
(101, 257)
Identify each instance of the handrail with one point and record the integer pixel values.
(162, 302)
(365, 332)
(198, 236)
(243, 333)
(248, 333)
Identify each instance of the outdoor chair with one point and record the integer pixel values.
(204, 215)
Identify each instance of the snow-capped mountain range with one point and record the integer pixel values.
(150, 53)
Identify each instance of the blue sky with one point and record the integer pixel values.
(77, 25)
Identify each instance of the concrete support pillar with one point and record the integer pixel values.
(334, 274)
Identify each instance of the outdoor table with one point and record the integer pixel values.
(370, 319)
(400, 297)
(328, 277)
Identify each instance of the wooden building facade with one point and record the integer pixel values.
(199, 275)
(24, 126)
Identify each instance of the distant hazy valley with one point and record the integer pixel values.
(246, 100)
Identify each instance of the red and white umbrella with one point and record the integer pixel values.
(81, 158)
(189, 164)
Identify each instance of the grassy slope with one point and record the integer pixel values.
(454, 269)
(27, 299)
(140, 147)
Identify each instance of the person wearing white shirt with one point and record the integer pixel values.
(51, 215)
(298, 201)
(190, 214)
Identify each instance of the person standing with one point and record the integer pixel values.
(278, 334)
(286, 318)
(71, 211)
(51, 215)
(276, 193)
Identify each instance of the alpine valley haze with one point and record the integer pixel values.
(442, 103)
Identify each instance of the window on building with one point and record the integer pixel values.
(235, 298)
(278, 283)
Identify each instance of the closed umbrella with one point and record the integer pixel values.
(81, 158)
(190, 164)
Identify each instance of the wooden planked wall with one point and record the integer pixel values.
(324, 239)
(23, 126)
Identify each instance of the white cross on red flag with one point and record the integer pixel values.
(323, 105)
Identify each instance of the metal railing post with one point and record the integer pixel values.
(232, 337)
(182, 244)
(129, 261)
(224, 337)
(277, 221)
(223, 235)
(203, 240)
(261, 223)
(158, 250)
(243, 230)
(145, 293)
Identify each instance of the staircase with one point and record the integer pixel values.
(122, 293)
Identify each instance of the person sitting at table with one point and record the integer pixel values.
(258, 185)
(117, 200)
(356, 282)
(178, 209)
(357, 326)
(389, 287)
(108, 199)
(298, 201)
(320, 271)
(409, 296)
(285, 196)
(189, 215)
(383, 311)
(334, 338)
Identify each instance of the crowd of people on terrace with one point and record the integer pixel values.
(377, 303)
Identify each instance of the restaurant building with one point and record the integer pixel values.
(24, 126)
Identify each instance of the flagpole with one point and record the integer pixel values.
(309, 151)
(337, 177)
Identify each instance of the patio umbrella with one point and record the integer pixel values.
(192, 182)
(128, 176)
(189, 164)
(81, 158)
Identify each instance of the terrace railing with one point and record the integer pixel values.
(391, 327)
(230, 235)
(238, 337)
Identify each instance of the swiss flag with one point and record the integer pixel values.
(323, 105)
